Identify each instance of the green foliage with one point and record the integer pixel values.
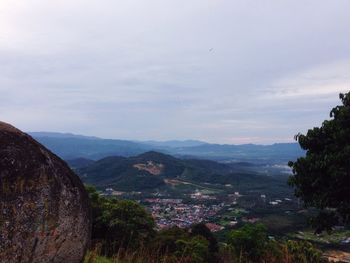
(165, 241)
(303, 252)
(249, 241)
(195, 248)
(196, 245)
(213, 246)
(119, 223)
(91, 257)
(322, 178)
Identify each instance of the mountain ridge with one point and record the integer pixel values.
(153, 170)
(71, 146)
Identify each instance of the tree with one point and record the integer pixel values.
(201, 229)
(165, 240)
(181, 245)
(303, 252)
(193, 249)
(249, 241)
(119, 223)
(322, 178)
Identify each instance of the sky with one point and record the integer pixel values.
(222, 71)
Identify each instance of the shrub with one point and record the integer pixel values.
(119, 224)
(249, 241)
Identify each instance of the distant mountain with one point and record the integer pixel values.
(147, 171)
(153, 170)
(79, 163)
(60, 135)
(70, 146)
(175, 143)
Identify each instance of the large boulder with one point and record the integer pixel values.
(44, 209)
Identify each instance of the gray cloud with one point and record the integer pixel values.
(221, 71)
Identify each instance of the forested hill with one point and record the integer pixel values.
(154, 170)
(69, 146)
(145, 171)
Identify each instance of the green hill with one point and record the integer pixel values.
(153, 170)
(147, 171)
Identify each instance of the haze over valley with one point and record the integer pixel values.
(69, 146)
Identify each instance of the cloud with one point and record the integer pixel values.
(212, 70)
(329, 79)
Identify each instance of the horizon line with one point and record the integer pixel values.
(158, 140)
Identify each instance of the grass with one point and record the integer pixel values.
(132, 257)
(226, 255)
(277, 223)
(103, 260)
(93, 257)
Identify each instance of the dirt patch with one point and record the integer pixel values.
(337, 256)
(151, 167)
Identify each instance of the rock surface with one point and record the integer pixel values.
(44, 209)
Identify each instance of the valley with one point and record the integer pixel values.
(225, 196)
(224, 192)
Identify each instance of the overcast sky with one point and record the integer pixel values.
(221, 71)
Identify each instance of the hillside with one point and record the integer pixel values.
(79, 163)
(153, 170)
(71, 147)
(146, 171)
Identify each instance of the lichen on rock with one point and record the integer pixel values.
(44, 208)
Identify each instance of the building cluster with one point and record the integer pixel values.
(173, 212)
(200, 196)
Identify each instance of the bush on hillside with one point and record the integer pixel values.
(119, 224)
(249, 241)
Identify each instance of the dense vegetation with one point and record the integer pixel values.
(123, 230)
(118, 224)
(322, 178)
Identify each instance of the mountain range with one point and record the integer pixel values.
(172, 166)
(71, 146)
